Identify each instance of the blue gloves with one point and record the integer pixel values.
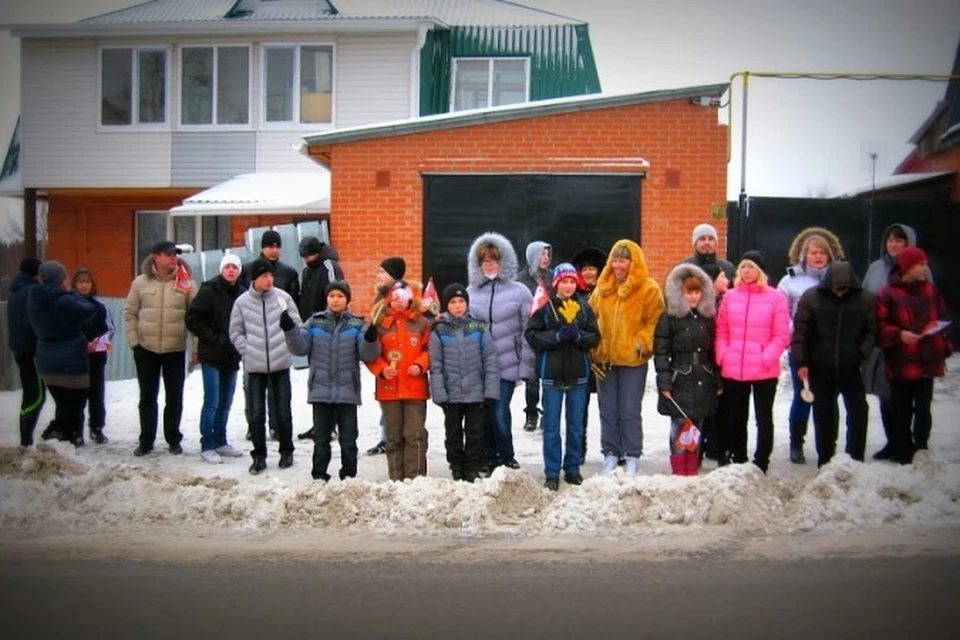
(568, 333)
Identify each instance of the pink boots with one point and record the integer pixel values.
(685, 464)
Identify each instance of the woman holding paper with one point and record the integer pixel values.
(99, 335)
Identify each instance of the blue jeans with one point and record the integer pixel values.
(553, 400)
(621, 401)
(799, 410)
(218, 388)
(500, 447)
(276, 385)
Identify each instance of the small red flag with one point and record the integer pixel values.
(429, 300)
(689, 436)
(184, 281)
(540, 298)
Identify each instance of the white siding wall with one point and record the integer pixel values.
(61, 145)
(373, 79)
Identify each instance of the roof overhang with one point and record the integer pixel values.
(268, 193)
(922, 131)
(318, 145)
(279, 27)
(894, 182)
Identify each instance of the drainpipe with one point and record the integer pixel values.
(30, 222)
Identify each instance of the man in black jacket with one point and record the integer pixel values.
(284, 277)
(23, 344)
(835, 329)
(208, 318)
(322, 269)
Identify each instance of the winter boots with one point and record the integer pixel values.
(685, 464)
(609, 465)
(798, 429)
(632, 466)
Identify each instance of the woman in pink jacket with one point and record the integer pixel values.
(753, 331)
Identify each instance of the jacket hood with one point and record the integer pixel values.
(45, 294)
(907, 230)
(508, 259)
(534, 249)
(22, 281)
(798, 249)
(677, 306)
(840, 274)
(326, 252)
(607, 282)
(148, 268)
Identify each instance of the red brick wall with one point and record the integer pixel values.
(95, 229)
(369, 222)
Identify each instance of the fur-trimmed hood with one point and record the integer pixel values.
(509, 266)
(638, 274)
(798, 249)
(149, 268)
(677, 306)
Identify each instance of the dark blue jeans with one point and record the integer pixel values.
(276, 384)
(553, 400)
(499, 437)
(218, 388)
(150, 367)
(326, 416)
(799, 410)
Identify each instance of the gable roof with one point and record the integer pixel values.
(506, 113)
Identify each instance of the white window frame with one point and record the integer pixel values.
(295, 122)
(135, 91)
(214, 126)
(490, 60)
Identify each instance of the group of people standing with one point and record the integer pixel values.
(715, 332)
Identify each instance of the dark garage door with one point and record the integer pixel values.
(568, 211)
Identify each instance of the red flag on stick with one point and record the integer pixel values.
(540, 298)
(429, 301)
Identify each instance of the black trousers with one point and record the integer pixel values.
(911, 402)
(150, 367)
(463, 426)
(532, 397)
(738, 405)
(34, 395)
(826, 414)
(326, 417)
(69, 416)
(260, 387)
(96, 395)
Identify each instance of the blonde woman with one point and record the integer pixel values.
(753, 331)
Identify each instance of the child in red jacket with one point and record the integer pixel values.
(402, 386)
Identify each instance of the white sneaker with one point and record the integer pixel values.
(609, 465)
(229, 452)
(211, 456)
(633, 466)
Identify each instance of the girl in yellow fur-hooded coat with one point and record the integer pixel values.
(628, 304)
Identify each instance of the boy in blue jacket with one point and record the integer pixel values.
(336, 342)
(464, 375)
(562, 332)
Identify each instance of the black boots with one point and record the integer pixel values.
(286, 460)
(531, 423)
(798, 429)
(27, 425)
(796, 454)
(97, 436)
(259, 464)
(306, 435)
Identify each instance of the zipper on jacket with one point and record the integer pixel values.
(266, 336)
(493, 291)
(743, 351)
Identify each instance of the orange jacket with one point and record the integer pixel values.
(404, 339)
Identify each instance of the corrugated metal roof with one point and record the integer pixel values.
(452, 12)
(263, 193)
(471, 117)
(892, 182)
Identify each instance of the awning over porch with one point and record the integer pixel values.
(262, 194)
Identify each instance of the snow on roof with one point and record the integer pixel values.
(504, 113)
(891, 182)
(262, 193)
(451, 12)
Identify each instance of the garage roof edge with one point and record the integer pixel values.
(511, 112)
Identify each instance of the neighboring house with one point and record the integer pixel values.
(130, 114)
(929, 172)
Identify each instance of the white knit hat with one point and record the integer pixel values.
(230, 258)
(704, 230)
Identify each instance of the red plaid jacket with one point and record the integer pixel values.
(911, 306)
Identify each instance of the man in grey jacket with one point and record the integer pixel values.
(255, 332)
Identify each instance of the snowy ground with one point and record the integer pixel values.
(104, 496)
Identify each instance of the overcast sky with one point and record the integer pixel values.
(804, 137)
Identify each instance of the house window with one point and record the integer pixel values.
(298, 84)
(489, 82)
(215, 86)
(203, 233)
(133, 86)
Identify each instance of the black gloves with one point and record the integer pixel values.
(370, 335)
(568, 333)
(286, 322)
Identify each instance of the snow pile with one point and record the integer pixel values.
(48, 486)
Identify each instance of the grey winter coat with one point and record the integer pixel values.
(463, 361)
(255, 330)
(504, 305)
(683, 349)
(336, 348)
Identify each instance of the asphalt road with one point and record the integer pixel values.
(386, 598)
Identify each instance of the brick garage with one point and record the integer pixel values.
(377, 196)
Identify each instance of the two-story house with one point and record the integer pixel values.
(126, 115)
